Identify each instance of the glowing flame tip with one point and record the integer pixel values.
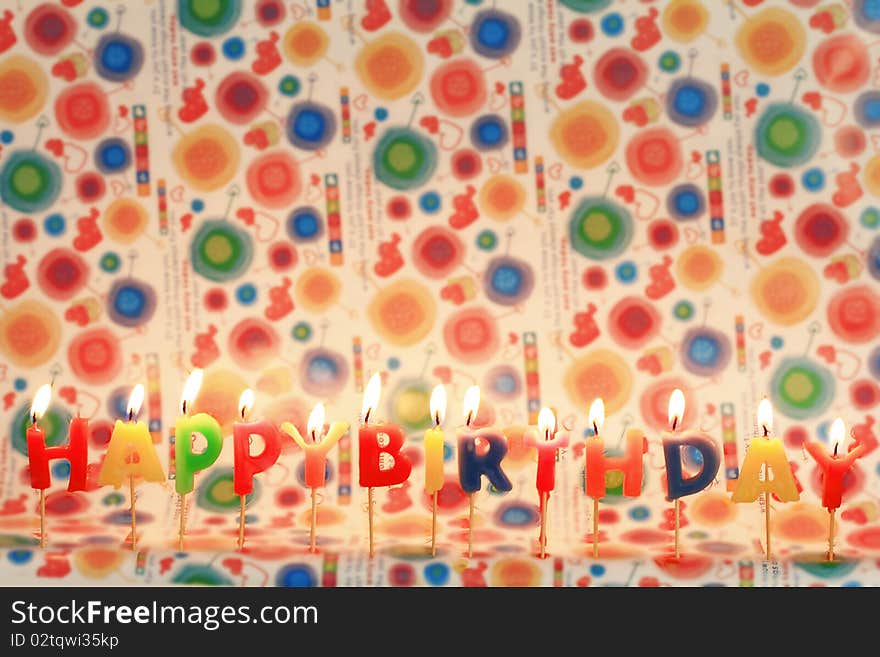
(191, 389)
(676, 407)
(135, 401)
(597, 414)
(245, 402)
(471, 404)
(837, 434)
(371, 396)
(41, 401)
(316, 422)
(765, 416)
(438, 404)
(546, 422)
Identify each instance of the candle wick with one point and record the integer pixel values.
(314, 437)
(130, 415)
(33, 419)
(469, 418)
(836, 444)
(367, 415)
(766, 431)
(674, 422)
(437, 419)
(595, 429)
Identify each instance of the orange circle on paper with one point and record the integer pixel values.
(96, 563)
(29, 333)
(273, 179)
(403, 313)
(599, 373)
(772, 41)
(502, 197)
(515, 571)
(585, 135)
(684, 20)
(305, 43)
(23, 89)
(124, 220)
(872, 175)
(712, 509)
(317, 289)
(206, 158)
(698, 267)
(786, 292)
(800, 523)
(390, 67)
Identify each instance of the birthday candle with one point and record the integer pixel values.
(39, 454)
(316, 450)
(187, 462)
(434, 446)
(547, 442)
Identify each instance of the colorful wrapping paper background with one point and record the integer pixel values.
(555, 201)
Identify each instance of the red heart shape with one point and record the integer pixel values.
(751, 106)
(430, 123)
(55, 146)
(813, 99)
(626, 192)
(234, 566)
(246, 215)
(499, 88)
(444, 373)
(68, 394)
(827, 352)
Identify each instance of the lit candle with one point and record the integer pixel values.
(131, 454)
(380, 460)
(835, 467)
(547, 441)
(76, 452)
(186, 461)
(674, 442)
(434, 444)
(247, 465)
(597, 464)
(316, 450)
(480, 452)
(765, 453)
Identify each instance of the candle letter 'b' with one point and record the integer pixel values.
(371, 451)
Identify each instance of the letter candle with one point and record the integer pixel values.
(677, 486)
(434, 457)
(479, 453)
(769, 453)
(34, 438)
(547, 447)
(834, 468)
(131, 454)
(379, 450)
(187, 462)
(597, 464)
(316, 456)
(246, 465)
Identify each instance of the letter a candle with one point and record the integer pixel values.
(834, 468)
(547, 441)
(379, 444)
(316, 456)
(767, 453)
(131, 454)
(246, 464)
(434, 457)
(186, 461)
(677, 486)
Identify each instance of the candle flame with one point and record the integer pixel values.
(597, 414)
(438, 404)
(676, 408)
(471, 404)
(765, 416)
(245, 402)
(135, 401)
(41, 402)
(191, 389)
(371, 396)
(546, 422)
(316, 422)
(837, 433)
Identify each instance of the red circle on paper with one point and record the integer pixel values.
(662, 234)
(867, 538)
(424, 15)
(581, 30)
(253, 343)
(632, 322)
(48, 29)
(795, 437)
(781, 185)
(619, 73)
(282, 256)
(24, 230)
(90, 187)
(594, 278)
(841, 63)
(240, 97)
(820, 229)
(466, 164)
(850, 141)
(95, 356)
(654, 156)
(269, 12)
(82, 111)
(458, 87)
(203, 54)
(854, 314)
(437, 251)
(273, 180)
(398, 208)
(216, 300)
(99, 433)
(289, 496)
(471, 335)
(62, 273)
(864, 394)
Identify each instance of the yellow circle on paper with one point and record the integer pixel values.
(585, 135)
(772, 41)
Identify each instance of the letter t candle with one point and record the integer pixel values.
(547, 442)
